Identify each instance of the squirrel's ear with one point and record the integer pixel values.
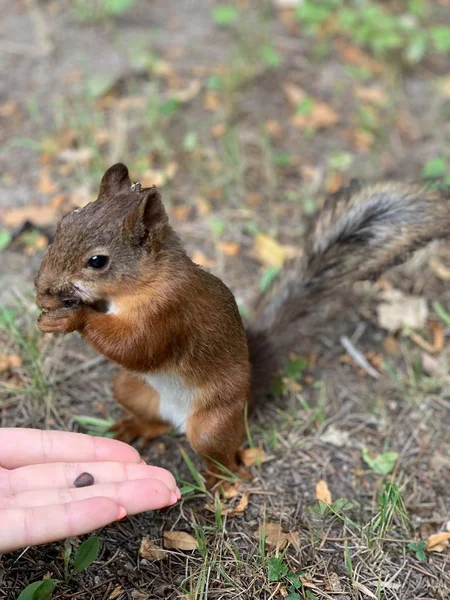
(147, 217)
(115, 180)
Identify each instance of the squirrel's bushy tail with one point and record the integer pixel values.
(359, 234)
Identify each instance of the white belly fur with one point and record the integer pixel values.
(175, 398)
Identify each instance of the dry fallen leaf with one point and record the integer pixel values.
(232, 491)
(211, 101)
(159, 177)
(218, 130)
(46, 184)
(179, 540)
(181, 212)
(117, 591)
(82, 155)
(438, 542)
(8, 109)
(189, 93)
(201, 259)
(320, 115)
(322, 492)
(402, 311)
(438, 330)
(9, 361)
(273, 128)
(372, 95)
(269, 251)
(150, 551)
(252, 456)
(40, 242)
(275, 537)
(362, 139)
(37, 214)
(241, 506)
(355, 56)
(230, 248)
(203, 206)
(391, 345)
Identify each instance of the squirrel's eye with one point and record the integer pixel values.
(98, 262)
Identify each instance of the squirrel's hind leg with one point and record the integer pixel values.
(142, 403)
(216, 435)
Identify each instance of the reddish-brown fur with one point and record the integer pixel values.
(171, 317)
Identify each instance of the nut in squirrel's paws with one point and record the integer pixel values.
(60, 320)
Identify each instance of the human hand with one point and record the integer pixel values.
(38, 501)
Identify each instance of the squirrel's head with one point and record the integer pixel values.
(105, 249)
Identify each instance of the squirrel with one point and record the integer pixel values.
(117, 273)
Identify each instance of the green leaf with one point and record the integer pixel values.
(305, 107)
(225, 15)
(39, 590)
(440, 310)
(382, 464)
(169, 107)
(270, 56)
(419, 549)
(295, 368)
(98, 85)
(340, 161)
(281, 159)
(5, 239)
(44, 591)
(86, 554)
(217, 227)
(341, 505)
(277, 568)
(268, 278)
(441, 39)
(434, 168)
(116, 7)
(190, 141)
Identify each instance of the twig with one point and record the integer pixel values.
(358, 357)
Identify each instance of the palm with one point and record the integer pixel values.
(38, 500)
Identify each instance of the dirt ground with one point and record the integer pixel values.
(245, 121)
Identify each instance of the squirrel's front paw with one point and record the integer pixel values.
(60, 320)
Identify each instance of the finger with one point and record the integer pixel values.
(32, 446)
(23, 527)
(62, 475)
(135, 496)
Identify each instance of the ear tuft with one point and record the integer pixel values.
(115, 180)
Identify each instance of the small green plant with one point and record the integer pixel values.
(382, 464)
(392, 510)
(86, 554)
(96, 10)
(435, 168)
(95, 426)
(419, 549)
(336, 509)
(225, 15)
(279, 571)
(5, 239)
(406, 34)
(292, 371)
(442, 313)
